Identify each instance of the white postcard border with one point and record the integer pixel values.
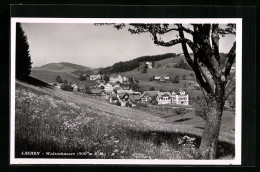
(238, 118)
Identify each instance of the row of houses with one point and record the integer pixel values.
(180, 98)
(112, 78)
(162, 98)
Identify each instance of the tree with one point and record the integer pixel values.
(152, 89)
(211, 72)
(106, 78)
(81, 77)
(23, 57)
(145, 68)
(67, 87)
(176, 79)
(58, 79)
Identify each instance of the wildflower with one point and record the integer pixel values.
(113, 154)
(116, 141)
(116, 150)
(105, 135)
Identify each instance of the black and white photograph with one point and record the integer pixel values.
(126, 91)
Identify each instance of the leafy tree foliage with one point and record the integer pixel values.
(145, 68)
(82, 77)
(23, 57)
(176, 79)
(67, 87)
(152, 89)
(58, 79)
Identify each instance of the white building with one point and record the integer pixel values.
(114, 79)
(180, 99)
(95, 77)
(164, 98)
(108, 87)
(149, 65)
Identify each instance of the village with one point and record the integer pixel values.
(119, 91)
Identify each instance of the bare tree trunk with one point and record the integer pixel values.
(209, 141)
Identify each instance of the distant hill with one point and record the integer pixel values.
(133, 64)
(67, 71)
(62, 67)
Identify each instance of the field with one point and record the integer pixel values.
(171, 72)
(49, 119)
(170, 61)
(50, 76)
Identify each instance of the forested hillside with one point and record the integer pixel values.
(132, 64)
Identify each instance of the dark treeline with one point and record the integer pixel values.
(132, 64)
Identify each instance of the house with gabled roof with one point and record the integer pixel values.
(125, 79)
(95, 77)
(101, 85)
(113, 98)
(78, 86)
(135, 97)
(108, 87)
(148, 95)
(99, 93)
(183, 98)
(162, 78)
(164, 98)
(115, 78)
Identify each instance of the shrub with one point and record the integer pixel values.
(180, 111)
(152, 89)
(67, 87)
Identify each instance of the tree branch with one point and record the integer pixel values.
(230, 60)
(215, 41)
(172, 42)
(228, 92)
(206, 75)
(193, 65)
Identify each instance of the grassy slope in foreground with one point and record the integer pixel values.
(54, 120)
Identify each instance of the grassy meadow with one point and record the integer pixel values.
(52, 120)
(50, 76)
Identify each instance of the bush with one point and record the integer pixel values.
(142, 105)
(152, 89)
(128, 104)
(176, 79)
(67, 87)
(180, 111)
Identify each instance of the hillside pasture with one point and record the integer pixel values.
(169, 61)
(171, 72)
(50, 76)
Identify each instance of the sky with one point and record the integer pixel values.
(95, 46)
